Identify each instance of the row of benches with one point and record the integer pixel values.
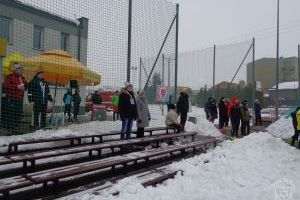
(13, 146)
(56, 174)
(31, 157)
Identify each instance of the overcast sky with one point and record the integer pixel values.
(205, 22)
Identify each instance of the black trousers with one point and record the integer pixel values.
(140, 133)
(183, 118)
(12, 113)
(221, 122)
(68, 110)
(76, 111)
(295, 137)
(39, 109)
(177, 127)
(245, 128)
(235, 124)
(258, 120)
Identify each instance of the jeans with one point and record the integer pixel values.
(235, 123)
(126, 128)
(40, 109)
(183, 118)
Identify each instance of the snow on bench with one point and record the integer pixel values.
(13, 146)
(33, 156)
(13, 183)
(4, 160)
(54, 175)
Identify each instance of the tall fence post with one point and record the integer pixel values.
(253, 72)
(277, 66)
(214, 70)
(176, 52)
(140, 74)
(298, 94)
(163, 78)
(129, 39)
(1, 80)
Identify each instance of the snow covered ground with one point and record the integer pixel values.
(259, 166)
(202, 126)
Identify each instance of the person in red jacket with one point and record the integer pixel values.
(14, 86)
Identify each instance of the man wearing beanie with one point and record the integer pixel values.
(14, 86)
(39, 95)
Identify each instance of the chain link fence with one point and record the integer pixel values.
(80, 48)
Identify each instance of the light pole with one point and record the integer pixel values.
(277, 65)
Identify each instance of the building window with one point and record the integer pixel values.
(38, 37)
(65, 41)
(6, 29)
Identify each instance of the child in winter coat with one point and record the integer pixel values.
(171, 118)
(245, 119)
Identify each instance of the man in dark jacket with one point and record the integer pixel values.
(127, 109)
(295, 124)
(14, 86)
(76, 103)
(183, 107)
(257, 112)
(222, 113)
(96, 98)
(39, 95)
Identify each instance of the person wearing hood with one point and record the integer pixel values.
(14, 86)
(68, 103)
(39, 95)
(143, 114)
(257, 111)
(245, 119)
(235, 118)
(183, 107)
(207, 107)
(296, 124)
(222, 113)
(127, 110)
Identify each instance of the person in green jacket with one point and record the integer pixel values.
(115, 103)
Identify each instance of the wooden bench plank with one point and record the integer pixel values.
(13, 183)
(13, 146)
(76, 169)
(31, 156)
(4, 160)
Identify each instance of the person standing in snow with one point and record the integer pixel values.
(207, 108)
(68, 103)
(183, 107)
(14, 86)
(213, 111)
(115, 103)
(143, 114)
(76, 103)
(257, 112)
(171, 118)
(235, 118)
(222, 112)
(296, 123)
(39, 95)
(245, 119)
(127, 110)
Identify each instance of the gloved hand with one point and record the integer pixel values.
(149, 118)
(139, 121)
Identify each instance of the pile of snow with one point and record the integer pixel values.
(202, 126)
(283, 128)
(255, 167)
(291, 85)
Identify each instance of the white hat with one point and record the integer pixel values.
(127, 84)
(17, 66)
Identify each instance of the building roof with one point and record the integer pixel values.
(292, 85)
(39, 11)
(226, 84)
